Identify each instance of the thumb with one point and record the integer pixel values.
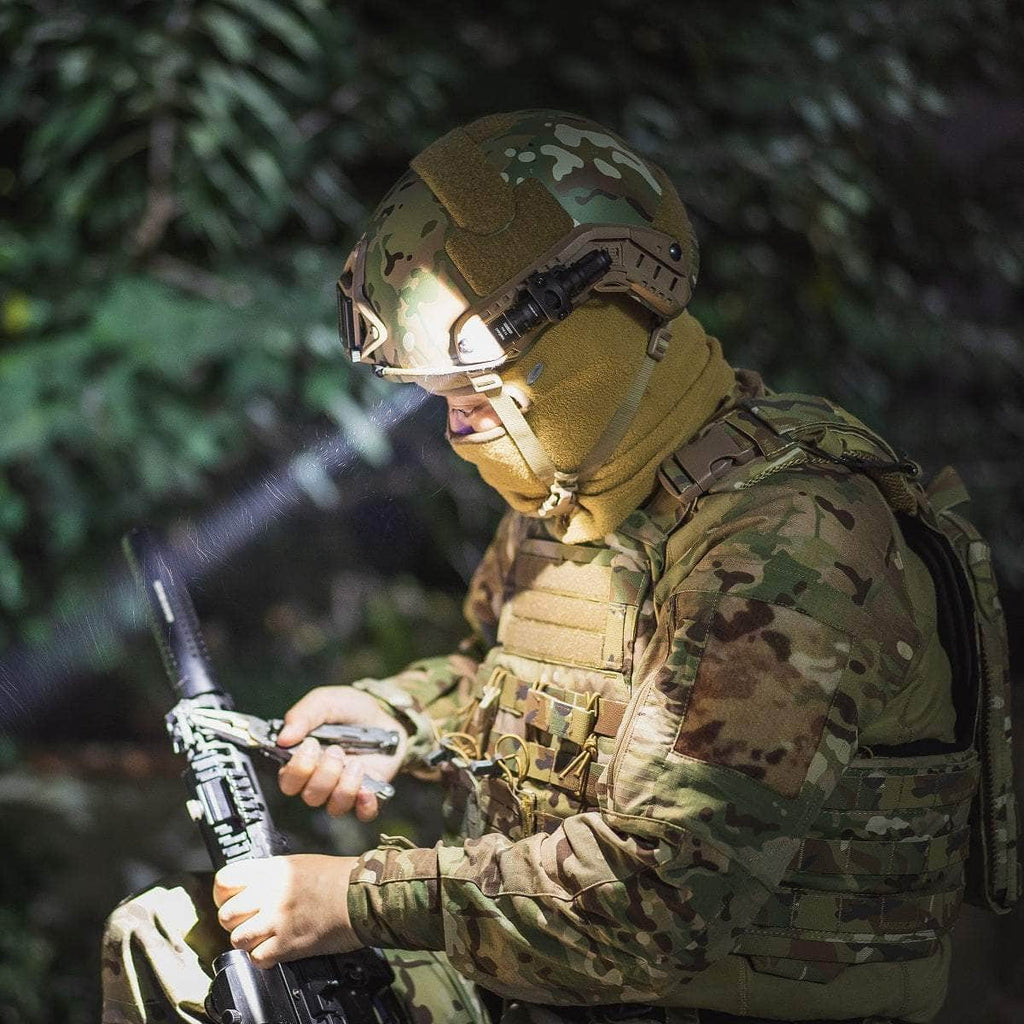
(302, 718)
(293, 731)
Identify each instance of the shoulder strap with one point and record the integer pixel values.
(780, 432)
(946, 490)
(691, 470)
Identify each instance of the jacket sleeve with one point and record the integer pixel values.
(428, 695)
(766, 660)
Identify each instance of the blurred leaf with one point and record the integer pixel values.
(283, 24)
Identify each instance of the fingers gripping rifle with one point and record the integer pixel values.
(226, 801)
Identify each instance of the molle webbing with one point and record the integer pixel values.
(497, 228)
(565, 720)
(565, 713)
(567, 717)
(764, 436)
(885, 858)
(803, 925)
(859, 917)
(994, 870)
(882, 786)
(870, 795)
(888, 825)
(880, 874)
(580, 778)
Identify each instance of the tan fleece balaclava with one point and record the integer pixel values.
(573, 379)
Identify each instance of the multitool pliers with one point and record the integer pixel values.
(251, 732)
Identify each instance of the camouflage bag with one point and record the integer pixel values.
(993, 868)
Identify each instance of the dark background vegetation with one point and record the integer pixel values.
(179, 183)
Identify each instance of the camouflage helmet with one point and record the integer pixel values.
(497, 230)
(473, 249)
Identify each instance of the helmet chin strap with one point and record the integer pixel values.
(563, 487)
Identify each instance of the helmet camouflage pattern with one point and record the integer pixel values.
(452, 243)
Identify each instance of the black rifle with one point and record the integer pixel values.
(227, 803)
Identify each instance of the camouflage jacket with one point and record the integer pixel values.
(781, 628)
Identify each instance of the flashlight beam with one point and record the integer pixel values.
(33, 676)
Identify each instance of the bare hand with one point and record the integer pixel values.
(326, 775)
(285, 908)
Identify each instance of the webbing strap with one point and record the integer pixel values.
(560, 718)
(559, 711)
(571, 721)
(513, 692)
(540, 767)
(540, 762)
(844, 916)
(690, 471)
(620, 422)
(514, 422)
(838, 949)
(889, 857)
(887, 788)
(564, 485)
(814, 424)
(783, 440)
(609, 716)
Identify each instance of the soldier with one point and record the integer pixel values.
(711, 752)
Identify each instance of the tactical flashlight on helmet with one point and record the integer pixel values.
(549, 296)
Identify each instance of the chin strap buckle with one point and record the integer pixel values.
(485, 381)
(657, 344)
(561, 497)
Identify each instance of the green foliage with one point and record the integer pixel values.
(180, 180)
(170, 163)
(141, 404)
(214, 121)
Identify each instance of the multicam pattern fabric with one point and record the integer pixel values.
(567, 169)
(157, 952)
(994, 880)
(739, 847)
(688, 812)
(744, 643)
